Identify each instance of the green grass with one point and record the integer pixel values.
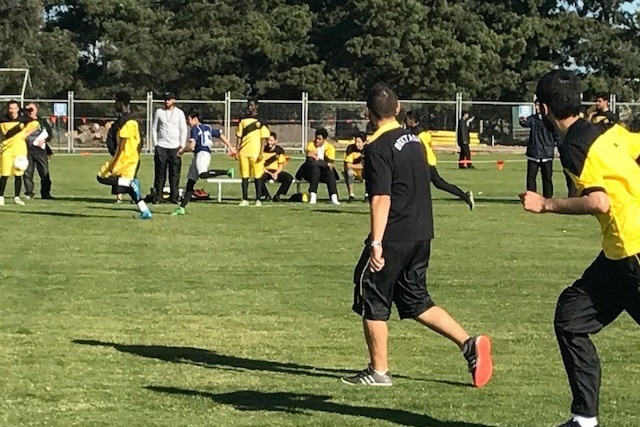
(241, 316)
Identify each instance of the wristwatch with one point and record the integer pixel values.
(375, 244)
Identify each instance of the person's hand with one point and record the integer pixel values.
(179, 153)
(376, 261)
(330, 165)
(233, 153)
(259, 159)
(274, 176)
(533, 202)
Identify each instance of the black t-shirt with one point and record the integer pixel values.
(395, 166)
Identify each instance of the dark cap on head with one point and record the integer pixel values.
(123, 97)
(169, 95)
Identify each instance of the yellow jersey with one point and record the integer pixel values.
(14, 132)
(251, 131)
(353, 155)
(425, 137)
(326, 152)
(273, 158)
(604, 157)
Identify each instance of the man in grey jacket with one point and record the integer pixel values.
(540, 152)
(169, 133)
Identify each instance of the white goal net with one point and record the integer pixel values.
(13, 84)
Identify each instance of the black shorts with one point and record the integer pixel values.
(402, 281)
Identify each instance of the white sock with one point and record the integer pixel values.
(586, 421)
(124, 182)
(142, 206)
(379, 372)
(312, 197)
(352, 195)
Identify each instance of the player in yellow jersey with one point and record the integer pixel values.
(251, 136)
(121, 170)
(14, 130)
(353, 162)
(412, 120)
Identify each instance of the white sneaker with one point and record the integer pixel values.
(312, 198)
(258, 203)
(17, 201)
(334, 199)
(244, 203)
(1, 200)
(27, 197)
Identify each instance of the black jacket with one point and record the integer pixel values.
(542, 141)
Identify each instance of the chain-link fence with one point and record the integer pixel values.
(497, 123)
(341, 119)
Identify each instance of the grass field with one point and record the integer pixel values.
(236, 316)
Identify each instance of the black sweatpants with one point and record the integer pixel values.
(605, 290)
(285, 179)
(39, 160)
(440, 183)
(464, 160)
(318, 174)
(167, 158)
(546, 170)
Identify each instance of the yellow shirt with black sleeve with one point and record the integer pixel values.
(352, 155)
(14, 134)
(605, 158)
(329, 151)
(273, 158)
(251, 131)
(125, 162)
(608, 117)
(425, 137)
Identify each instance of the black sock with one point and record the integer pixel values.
(258, 182)
(187, 193)
(17, 185)
(245, 188)
(3, 184)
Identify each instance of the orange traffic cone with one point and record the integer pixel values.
(500, 164)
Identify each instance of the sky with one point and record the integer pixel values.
(632, 7)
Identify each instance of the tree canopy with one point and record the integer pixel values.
(331, 49)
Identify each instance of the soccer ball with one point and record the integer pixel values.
(21, 163)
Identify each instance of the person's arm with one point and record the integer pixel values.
(183, 130)
(239, 135)
(592, 203)
(154, 128)
(378, 177)
(47, 127)
(525, 122)
(330, 155)
(227, 144)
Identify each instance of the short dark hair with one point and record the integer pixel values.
(322, 132)
(13, 101)
(194, 114)
(124, 97)
(602, 95)
(274, 135)
(361, 135)
(560, 91)
(253, 99)
(382, 101)
(413, 115)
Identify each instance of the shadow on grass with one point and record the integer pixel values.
(61, 214)
(499, 200)
(301, 404)
(340, 211)
(83, 199)
(213, 360)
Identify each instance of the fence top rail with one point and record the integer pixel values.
(193, 101)
(507, 103)
(269, 101)
(338, 102)
(420, 101)
(102, 101)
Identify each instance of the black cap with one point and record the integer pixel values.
(169, 95)
(123, 97)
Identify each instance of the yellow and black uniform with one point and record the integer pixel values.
(353, 156)
(274, 159)
(125, 161)
(251, 131)
(14, 135)
(600, 158)
(425, 138)
(326, 152)
(608, 117)
(317, 170)
(430, 157)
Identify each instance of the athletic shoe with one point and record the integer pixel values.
(334, 199)
(469, 200)
(135, 186)
(244, 203)
(352, 198)
(276, 199)
(17, 201)
(477, 351)
(572, 423)
(1, 200)
(369, 377)
(179, 211)
(231, 173)
(258, 203)
(47, 197)
(27, 197)
(145, 215)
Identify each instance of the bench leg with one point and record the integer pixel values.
(219, 192)
(298, 186)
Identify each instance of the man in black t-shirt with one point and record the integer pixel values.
(393, 266)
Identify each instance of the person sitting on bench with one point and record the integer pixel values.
(319, 167)
(274, 162)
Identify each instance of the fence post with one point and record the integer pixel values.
(458, 112)
(70, 120)
(227, 114)
(149, 120)
(305, 119)
(613, 99)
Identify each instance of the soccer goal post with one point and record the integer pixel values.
(13, 84)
